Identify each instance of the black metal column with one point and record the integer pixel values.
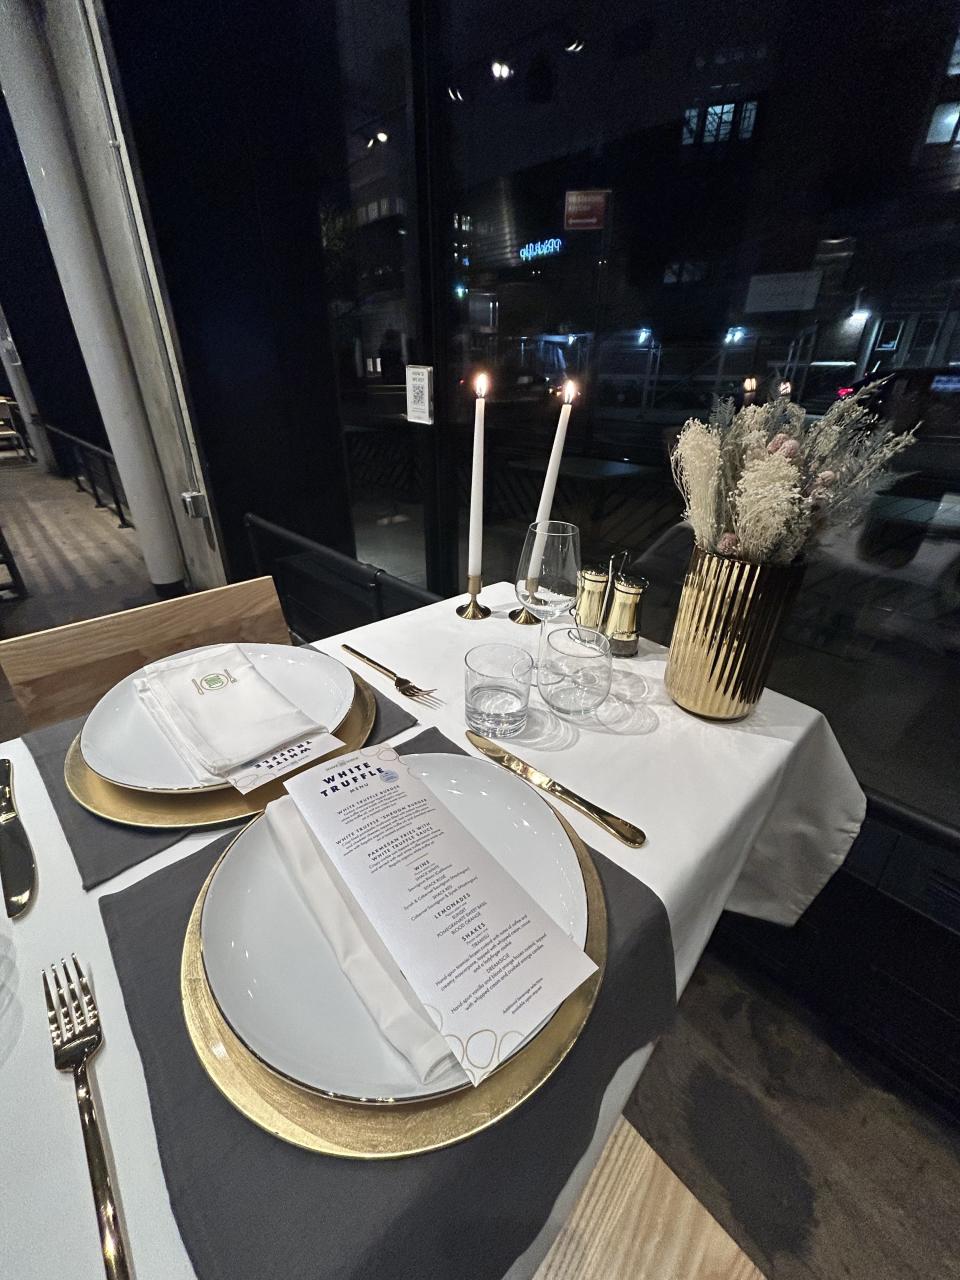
(434, 220)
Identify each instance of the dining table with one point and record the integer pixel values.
(752, 816)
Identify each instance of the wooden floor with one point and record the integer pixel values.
(818, 1169)
(74, 560)
(637, 1221)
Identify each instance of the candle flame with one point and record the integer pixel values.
(481, 384)
(569, 391)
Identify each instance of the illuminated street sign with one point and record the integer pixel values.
(585, 210)
(541, 249)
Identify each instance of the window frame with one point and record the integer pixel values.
(737, 126)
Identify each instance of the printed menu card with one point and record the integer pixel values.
(486, 962)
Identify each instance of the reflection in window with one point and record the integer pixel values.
(953, 68)
(943, 122)
(748, 116)
(691, 121)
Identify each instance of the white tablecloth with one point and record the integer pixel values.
(753, 816)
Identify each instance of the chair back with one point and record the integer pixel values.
(323, 591)
(397, 596)
(63, 672)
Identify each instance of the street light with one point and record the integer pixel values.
(735, 335)
(501, 70)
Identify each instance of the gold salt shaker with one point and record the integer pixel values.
(591, 593)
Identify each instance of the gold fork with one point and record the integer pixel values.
(404, 686)
(76, 1036)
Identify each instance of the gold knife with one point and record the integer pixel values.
(624, 831)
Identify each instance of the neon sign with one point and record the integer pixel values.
(541, 249)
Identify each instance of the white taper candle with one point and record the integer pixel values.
(475, 540)
(553, 468)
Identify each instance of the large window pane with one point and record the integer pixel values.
(762, 228)
(373, 269)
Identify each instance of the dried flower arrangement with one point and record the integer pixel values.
(761, 485)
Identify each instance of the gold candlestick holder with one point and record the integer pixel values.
(523, 617)
(473, 609)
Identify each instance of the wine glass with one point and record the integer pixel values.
(548, 568)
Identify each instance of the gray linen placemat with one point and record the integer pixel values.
(249, 1206)
(103, 849)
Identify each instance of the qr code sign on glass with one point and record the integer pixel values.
(420, 393)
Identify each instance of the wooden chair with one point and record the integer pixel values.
(63, 672)
(635, 1220)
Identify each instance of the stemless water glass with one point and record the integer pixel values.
(575, 670)
(497, 689)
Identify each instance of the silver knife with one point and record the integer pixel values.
(624, 831)
(18, 872)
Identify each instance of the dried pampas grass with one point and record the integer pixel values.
(696, 470)
(767, 510)
(762, 485)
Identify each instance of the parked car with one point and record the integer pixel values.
(928, 399)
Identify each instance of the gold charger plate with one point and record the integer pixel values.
(298, 1115)
(201, 808)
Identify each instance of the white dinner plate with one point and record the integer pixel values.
(122, 742)
(279, 984)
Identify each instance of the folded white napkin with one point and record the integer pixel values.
(372, 971)
(218, 710)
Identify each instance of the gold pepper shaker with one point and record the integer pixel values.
(622, 623)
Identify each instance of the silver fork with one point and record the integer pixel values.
(77, 1035)
(404, 686)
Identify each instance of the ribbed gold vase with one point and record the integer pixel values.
(726, 631)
